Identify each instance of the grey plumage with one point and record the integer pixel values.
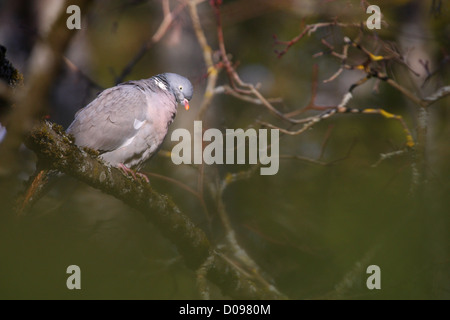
(128, 123)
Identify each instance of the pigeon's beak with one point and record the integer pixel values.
(186, 104)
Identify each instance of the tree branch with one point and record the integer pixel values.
(57, 150)
(166, 23)
(213, 71)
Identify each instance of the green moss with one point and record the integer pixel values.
(91, 152)
(58, 128)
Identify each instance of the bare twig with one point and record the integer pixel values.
(169, 18)
(212, 70)
(236, 82)
(389, 155)
(178, 183)
(308, 30)
(202, 272)
(439, 94)
(318, 161)
(72, 67)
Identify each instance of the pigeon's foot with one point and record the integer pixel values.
(127, 171)
(143, 176)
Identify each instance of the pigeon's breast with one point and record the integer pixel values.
(150, 133)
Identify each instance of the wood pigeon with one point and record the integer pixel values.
(128, 123)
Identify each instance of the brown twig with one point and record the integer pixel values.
(169, 18)
(236, 82)
(308, 30)
(212, 70)
(72, 67)
(181, 185)
(318, 161)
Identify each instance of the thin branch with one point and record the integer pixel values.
(181, 185)
(236, 82)
(351, 277)
(342, 108)
(439, 94)
(250, 268)
(389, 155)
(57, 151)
(72, 67)
(212, 70)
(169, 18)
(318, 161)
(226, 89)
(308, 30)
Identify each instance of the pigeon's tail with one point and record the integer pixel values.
(38, 185)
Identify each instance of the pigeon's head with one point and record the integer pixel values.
(180, 87)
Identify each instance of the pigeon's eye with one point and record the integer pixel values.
(181, 88)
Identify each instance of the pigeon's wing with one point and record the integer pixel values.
(112, 119)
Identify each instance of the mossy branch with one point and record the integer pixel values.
(57, 151)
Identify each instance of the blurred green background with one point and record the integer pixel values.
(313, 229)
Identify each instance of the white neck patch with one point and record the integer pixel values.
(160, 84)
